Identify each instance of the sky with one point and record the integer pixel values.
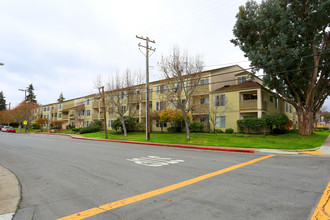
(62, 46)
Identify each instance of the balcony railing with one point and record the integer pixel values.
(252, 105)
(201, 109)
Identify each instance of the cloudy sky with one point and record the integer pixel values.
(61, 46)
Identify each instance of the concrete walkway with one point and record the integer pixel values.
(325, 148)
(10, 194)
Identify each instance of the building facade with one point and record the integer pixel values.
(222, 97)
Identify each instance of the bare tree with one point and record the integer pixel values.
(218, 108)
(183, 75)
(119, 95)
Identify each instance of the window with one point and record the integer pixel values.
(205, 119)
(159, 124)
(60, 115)
(45, 109)
(73, 124)
(48, 108)
(161, 89)
(123, 108)
(241, 79)
(88, 101)
(138, 92)
(290, 108)
(204, 100)
(150, 105)
(220, 100)
(44, 116)
(286, 107)
(276, 103)
(110, 123)
(271, 98)
(60, 106)
(220, 122)
(88, 112)
(86, 123)
(160, 106)
(47, 116)
(204, 81)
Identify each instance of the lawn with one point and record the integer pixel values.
(283, 141)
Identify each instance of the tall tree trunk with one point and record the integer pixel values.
(305, 122)
(122, 120)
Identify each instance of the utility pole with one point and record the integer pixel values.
(24, 106)
(8, 112)
(147, 40)
(104, 113)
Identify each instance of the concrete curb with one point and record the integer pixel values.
(10, 194)
(239, 150)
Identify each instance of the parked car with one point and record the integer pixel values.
(11, 129)
(1, 126)
(8, 129)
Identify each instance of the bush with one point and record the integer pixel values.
(130, 123)
(35, 126)
(89, 129)
(240, 125)
(196, 126)
(320, 129)
(229, 131)
(280, 131)
(294, 131)
(140, 126)
(171, 129)
(75, 129)
(219, 131)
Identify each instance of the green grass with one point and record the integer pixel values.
(283, 141)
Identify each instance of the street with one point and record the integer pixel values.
(62, 177)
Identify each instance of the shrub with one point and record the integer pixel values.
(219, 131)
(89, 129)
(320, 129)
(280, 131)
(240, 125)
(171, 129)
(294, 131)
(140, 126)
(35, 126)
(196, 126)
(229, 131)
(75, 129)
(130, 123)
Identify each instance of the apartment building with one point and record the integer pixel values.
(223, 96)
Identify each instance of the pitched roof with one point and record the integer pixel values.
(244, 85)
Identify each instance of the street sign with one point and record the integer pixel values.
(25, 122)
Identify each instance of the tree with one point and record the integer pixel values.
(2, 101)
(174, 117)
(119, 96)
(61, 98)
(182, 75)
(216, 111)
(275, 120)
(31, 97)
(289, 40)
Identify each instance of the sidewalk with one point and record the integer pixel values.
(10, 194)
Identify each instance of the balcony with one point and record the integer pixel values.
(96, 117)
(251, 105)
(65, 117)
(97, 105)
(81, 117)
(201, 109)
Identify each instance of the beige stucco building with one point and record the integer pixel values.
(223, 96)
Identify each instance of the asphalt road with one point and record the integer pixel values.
(62, 176)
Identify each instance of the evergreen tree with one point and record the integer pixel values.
(61, 98)
(2, 102)
(31, 97)
(289, 40)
